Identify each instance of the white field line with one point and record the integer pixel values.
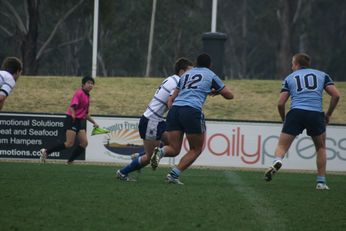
(244, 169)
(267, 215)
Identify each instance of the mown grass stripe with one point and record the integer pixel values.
(267, 214)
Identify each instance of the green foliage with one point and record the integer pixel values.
(251, 50)
(88, 197)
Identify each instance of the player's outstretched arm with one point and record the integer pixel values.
(226, 93)
(91, 120)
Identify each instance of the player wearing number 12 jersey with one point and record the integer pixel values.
(305, 87)
(186, 117)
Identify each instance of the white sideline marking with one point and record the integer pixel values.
(266, 213)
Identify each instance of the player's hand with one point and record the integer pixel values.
(96, 125)
(213, 93)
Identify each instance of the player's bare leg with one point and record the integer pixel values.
(176, 140)
(285, 141)
(149, 146)
(138, 162)
(196, 144)
(83, 143)
(70, 138)
(173, 149)
(321, 160)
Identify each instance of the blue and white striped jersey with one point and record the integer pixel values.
(158, 105)
(7, 83)
(306, 87)
(195, 85)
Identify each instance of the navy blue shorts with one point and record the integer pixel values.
(298, 119)
(151, 129)
(187, 119)
(76, 125)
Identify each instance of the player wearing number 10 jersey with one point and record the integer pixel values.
(305, 87)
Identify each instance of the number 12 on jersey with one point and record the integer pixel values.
(191, 82)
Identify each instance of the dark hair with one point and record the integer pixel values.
(182, 64)
(12, 65)
(203, 60)
(87, 78)
(302, 59)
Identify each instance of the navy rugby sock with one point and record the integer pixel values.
(76, 152)
(56, 148)
(141, 153)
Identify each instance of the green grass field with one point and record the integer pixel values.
(88, 197)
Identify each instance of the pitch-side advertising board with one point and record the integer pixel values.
(23, 135)
(227, 143)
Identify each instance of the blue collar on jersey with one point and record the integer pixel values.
(303, 68)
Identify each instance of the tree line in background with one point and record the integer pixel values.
(55, 37)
